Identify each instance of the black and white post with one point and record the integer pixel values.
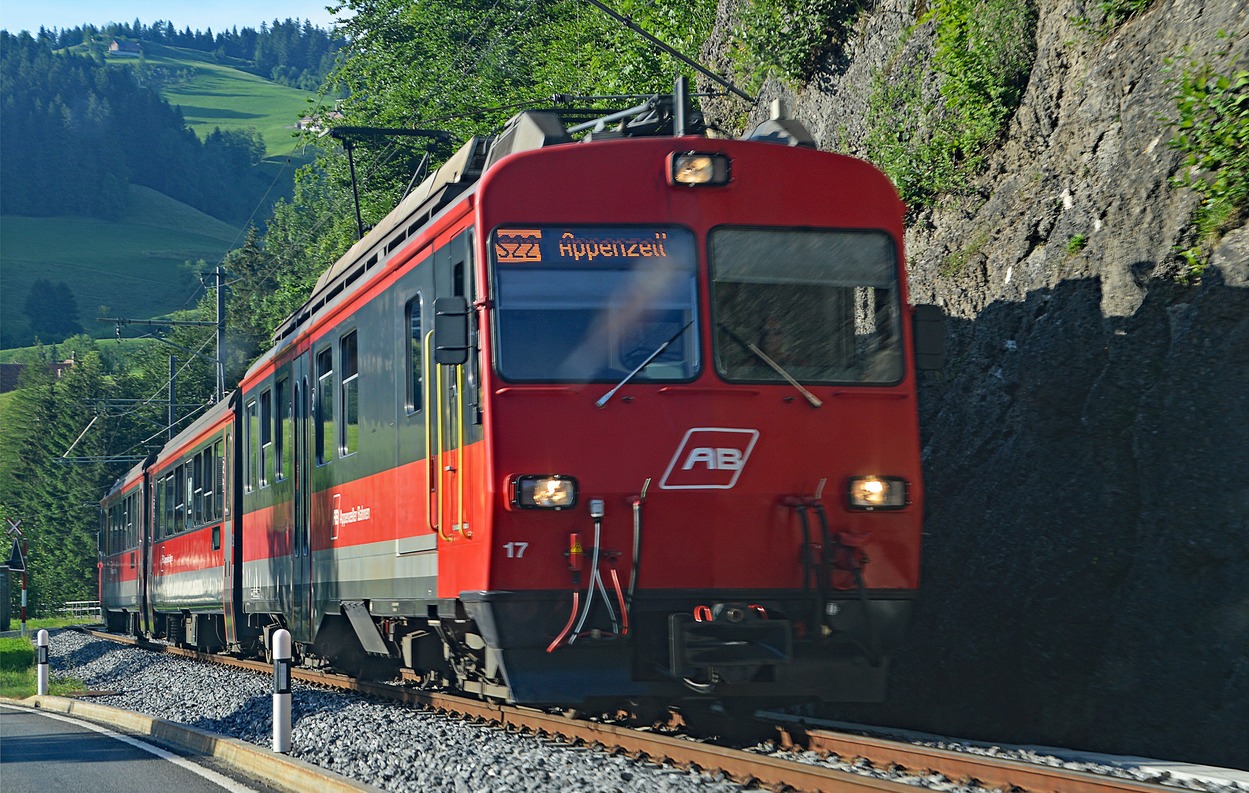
(282, 691)
(41, 661)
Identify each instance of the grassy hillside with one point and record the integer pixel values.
(220, 95)
(137, 267)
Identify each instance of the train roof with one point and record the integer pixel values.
(207, 420)
(129, 478)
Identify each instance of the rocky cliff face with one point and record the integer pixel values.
(1086, 580)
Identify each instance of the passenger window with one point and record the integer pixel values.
(266, 436)
(171, 503)
(219, 485)
(325, 403)
(282, 427)
(208, 484)
(415, 358)
(158, 509)
(349, 441)
(252, 428)
(188, 475)
(197, 482)
(179, 520)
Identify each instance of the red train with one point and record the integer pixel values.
(628, 418)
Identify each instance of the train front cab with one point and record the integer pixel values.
(700, 424)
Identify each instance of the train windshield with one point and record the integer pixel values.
(592, 304)
(821, 306)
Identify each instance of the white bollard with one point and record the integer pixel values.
(282, 691)
(41, 661)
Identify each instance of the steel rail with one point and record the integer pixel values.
(742, 766)
(986, 771)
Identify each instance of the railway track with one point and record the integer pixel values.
(897, 766)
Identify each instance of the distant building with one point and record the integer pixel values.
(119, 47)
(11, 373)
(316, 123)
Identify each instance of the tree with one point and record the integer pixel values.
(52, 310)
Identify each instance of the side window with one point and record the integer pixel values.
(416, 361)
(266, 437)
(188, 473)
(179, 514)
(158, 508)
(252, 446)
(171, 503)
(219, 483)
(349, 439)
(209, 484)
(325, 403)
(197, 489)
(282, 427)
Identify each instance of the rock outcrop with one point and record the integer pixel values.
(1086, 579)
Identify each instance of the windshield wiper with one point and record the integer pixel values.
(763, 356)
(658, 352)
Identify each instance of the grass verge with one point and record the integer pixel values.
(17, 671)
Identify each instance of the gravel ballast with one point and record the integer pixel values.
(401, 748)
(391, 746)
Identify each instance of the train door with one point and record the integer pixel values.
(300, 614)
(453, 386)
(223, 511)
(147, 512)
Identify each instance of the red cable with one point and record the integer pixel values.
(576, 601)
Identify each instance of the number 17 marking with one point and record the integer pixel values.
(516, 550)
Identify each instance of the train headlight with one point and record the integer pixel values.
(698, 169)
(877, 492)
(544, 491)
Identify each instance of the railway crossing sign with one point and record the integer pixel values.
(16, 563)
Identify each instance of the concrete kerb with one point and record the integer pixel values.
(277, 770)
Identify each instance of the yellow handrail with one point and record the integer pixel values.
(433, 471)
(459, 404)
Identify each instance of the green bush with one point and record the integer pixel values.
(1212, 131)
(1111, 14)
(982, 54)
(786, 38)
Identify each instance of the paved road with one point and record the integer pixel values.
(48, 753)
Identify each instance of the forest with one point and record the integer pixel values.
(290, 52)
(75, 133)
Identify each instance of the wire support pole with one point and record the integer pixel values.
(220, 275)
(218, 324)
(705, 72)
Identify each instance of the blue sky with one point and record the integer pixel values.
(219, 15)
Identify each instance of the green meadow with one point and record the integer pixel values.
(219, 95)
(136, 268)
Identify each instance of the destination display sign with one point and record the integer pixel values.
(587, 245)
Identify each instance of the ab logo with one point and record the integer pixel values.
(709, 458)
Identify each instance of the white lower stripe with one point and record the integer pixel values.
(207, 773)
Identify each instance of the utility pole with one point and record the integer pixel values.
(173, 391)
(220, 276)
(219, 324)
